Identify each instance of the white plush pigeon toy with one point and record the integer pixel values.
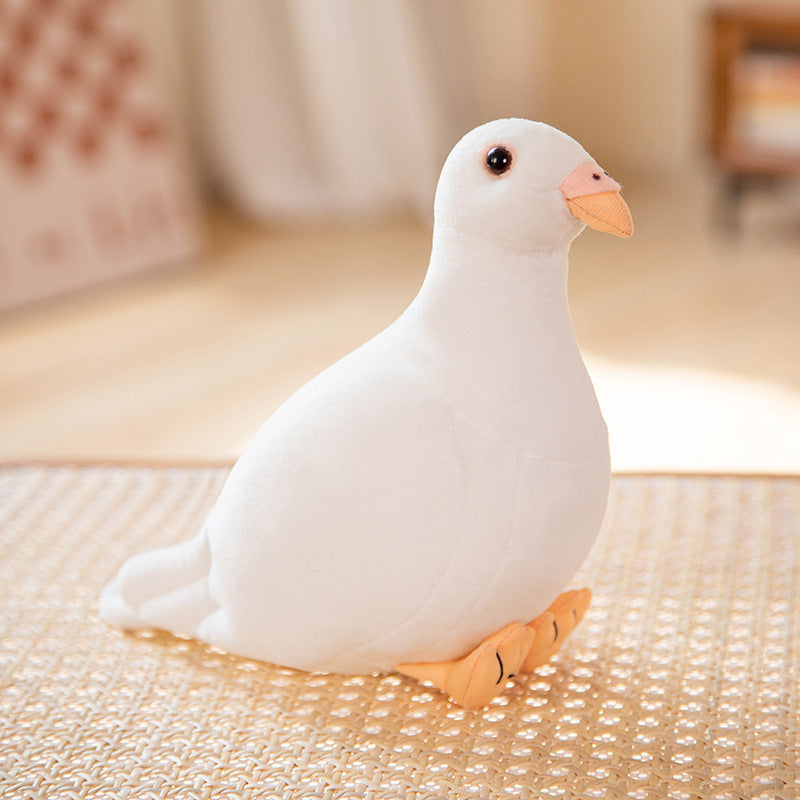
(420, 504)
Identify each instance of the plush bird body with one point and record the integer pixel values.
(419, 501)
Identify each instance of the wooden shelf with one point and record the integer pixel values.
(736, 31)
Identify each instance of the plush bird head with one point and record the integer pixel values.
(527, 186)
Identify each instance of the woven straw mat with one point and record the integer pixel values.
(681, 682)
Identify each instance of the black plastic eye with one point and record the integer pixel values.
(596, 176)
(498, 159)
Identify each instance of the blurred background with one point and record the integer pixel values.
(203, 204)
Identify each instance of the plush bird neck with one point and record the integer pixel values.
(485, 289)
(495, 329)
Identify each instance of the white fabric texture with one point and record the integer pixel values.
(446, 478)
(343, 108)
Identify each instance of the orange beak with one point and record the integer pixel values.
(593, 197)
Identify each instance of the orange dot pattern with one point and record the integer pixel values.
(72, 75)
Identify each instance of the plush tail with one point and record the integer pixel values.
(165, 589)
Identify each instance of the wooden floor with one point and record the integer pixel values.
(693, 338)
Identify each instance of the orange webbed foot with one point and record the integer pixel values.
(473, 681)
(553, 626)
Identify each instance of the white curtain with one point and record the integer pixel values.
(320, 108)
